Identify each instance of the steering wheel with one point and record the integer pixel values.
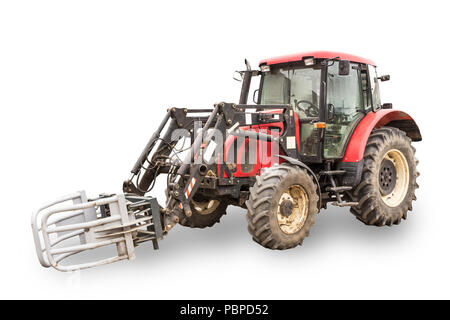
(311, 111)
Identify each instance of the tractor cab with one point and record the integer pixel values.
(328, 88)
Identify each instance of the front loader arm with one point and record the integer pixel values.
(163, 150)
(187, 177)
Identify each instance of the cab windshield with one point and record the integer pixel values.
(299, 86)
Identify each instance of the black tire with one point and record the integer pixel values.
(263, 204)
(372, 209)
(198, 220)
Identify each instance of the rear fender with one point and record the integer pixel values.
(385, 117)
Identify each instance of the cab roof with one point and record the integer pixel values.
(316, 55)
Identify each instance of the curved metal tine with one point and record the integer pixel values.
(83, 247)
(66, 236)
(65, 255)
(89, 264)
(36, 228)
(64, 216)
(82, 225)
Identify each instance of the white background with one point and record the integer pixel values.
(83, 84)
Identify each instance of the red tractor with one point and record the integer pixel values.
(317, 134)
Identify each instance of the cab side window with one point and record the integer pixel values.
(375, 89)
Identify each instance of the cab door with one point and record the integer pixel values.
(344, 108)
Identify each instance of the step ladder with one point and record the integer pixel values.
(337, 190)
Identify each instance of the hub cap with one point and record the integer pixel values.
(205, 207)
(293, 209)
(388, 177)
(393, 178)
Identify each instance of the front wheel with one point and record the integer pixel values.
(282, 206)
(388, 181)
(205, 213)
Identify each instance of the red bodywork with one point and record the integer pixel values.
(316, 55)
(266, 152)
(357, 144)
(265, 157)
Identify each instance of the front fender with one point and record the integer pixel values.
(385, 117)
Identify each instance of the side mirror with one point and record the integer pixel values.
(237, 76)
(385, 78)
(344, 67)
(386, 106)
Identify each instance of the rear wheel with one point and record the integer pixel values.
(281, 207)
(388, 181)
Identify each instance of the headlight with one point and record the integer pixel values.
(265, 68)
